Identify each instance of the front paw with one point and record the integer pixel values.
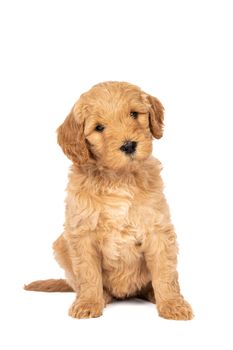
(86, 309)
(175, 309)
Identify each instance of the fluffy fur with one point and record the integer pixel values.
(118, 239)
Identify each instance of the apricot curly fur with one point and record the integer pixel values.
(118, 238)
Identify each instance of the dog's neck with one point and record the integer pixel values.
(131, 173)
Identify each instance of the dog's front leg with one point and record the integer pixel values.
(161, 259)
(86, 266)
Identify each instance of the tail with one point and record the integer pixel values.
(49, 286)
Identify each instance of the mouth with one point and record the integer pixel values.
(132, 156)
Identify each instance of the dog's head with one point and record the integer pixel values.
(112, 124)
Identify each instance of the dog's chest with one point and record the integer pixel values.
(125, 219)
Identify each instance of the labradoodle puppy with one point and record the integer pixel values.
(118, 239)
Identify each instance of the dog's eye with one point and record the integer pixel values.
(99, 128)
(134, 115)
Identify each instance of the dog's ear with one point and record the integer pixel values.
(156, 117)
(70, 136)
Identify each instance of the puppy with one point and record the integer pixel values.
(118, 239)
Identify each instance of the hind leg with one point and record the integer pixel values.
(147, 293)
(107, 297)
(61, 255)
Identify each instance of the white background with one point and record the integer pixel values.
(179, 51)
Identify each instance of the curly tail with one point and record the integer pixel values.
(49, 286)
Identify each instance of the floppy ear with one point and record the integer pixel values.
(70, 136)
(156, 117)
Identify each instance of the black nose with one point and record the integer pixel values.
(129, 147)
